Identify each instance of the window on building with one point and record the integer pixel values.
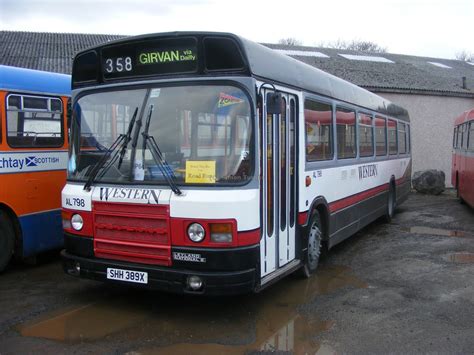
(402, 138)
(346, 133)
(366, 135)
(318, 128)
(392, 137)
(380, 136)
(34, 121)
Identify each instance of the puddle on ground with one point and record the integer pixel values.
(268, 321)
(439, 232)
(461, 258)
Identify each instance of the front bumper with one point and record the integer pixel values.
(226, 271)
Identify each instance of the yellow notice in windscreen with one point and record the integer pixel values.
(200, 172)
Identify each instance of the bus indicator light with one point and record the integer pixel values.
(308, 181)
(221, 232)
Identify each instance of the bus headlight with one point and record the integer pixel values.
(196, 232)
(77, 222)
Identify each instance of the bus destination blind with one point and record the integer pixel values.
(156, 57)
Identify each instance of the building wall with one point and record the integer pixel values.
(432, 119)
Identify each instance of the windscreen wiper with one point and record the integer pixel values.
(121, 141)
(166, 170)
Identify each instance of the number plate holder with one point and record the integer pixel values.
(140, 277)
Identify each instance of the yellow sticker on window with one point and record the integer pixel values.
(200, 172)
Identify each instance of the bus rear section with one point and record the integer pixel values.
(198, 163)
(462, 171)
(33, 158)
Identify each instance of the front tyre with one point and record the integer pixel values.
(313, 251)
(7, 240)
(391, 204)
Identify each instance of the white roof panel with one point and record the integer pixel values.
(302, 53)
(440, 65)
(367, 58)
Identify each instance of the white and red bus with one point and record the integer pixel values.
(462, 172)
(207, 163)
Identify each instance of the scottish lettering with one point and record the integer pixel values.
(367, 171)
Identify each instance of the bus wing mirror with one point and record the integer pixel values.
(273, 103)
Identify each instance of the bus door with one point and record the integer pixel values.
(278, 185)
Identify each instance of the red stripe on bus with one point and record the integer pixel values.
(352, 200)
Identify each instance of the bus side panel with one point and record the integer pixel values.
(35, 198)
(41, 231)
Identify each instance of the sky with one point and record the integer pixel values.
(431, 28)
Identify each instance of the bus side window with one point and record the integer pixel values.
(392, 137)
(402, 138)
(346, 133)
(465, 133)
(380, 136)
(455, 135)
(471, 136)
(34, 121)
(318, 130)
(366, 135)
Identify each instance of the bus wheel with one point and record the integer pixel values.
(7, 240)
(314, 246)
(391, 201)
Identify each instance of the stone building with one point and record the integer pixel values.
(433, 90)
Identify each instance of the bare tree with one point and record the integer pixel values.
(355, 45)
(290, 41)
(465, 56)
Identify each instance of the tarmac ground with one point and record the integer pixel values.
(406, 286)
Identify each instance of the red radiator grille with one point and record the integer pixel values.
(136, 233)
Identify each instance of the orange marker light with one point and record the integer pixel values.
(221, 232)
(308, 181)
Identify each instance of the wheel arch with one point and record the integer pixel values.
(16, 227)
(320, 205)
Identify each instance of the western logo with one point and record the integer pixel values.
(148, 196)
(367, 171)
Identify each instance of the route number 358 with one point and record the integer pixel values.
(118, 65)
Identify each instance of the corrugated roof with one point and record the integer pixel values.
(54, 52)
(51, 52)
(407, 73)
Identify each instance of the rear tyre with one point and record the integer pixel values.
(313, 251)
(391, 204)
(7, 240)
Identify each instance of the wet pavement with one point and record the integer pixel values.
(407, 286)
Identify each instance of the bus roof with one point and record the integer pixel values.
(465, 117)
(28, 80)
(250, 58)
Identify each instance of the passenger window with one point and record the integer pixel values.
(465, 133)
(392, 137)
(34, 121)
(380, 136)
(471, 137)
(366, 135)
(318, 128)
(455, 135)
(346, 133)
(459, 138)
(402, 138)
